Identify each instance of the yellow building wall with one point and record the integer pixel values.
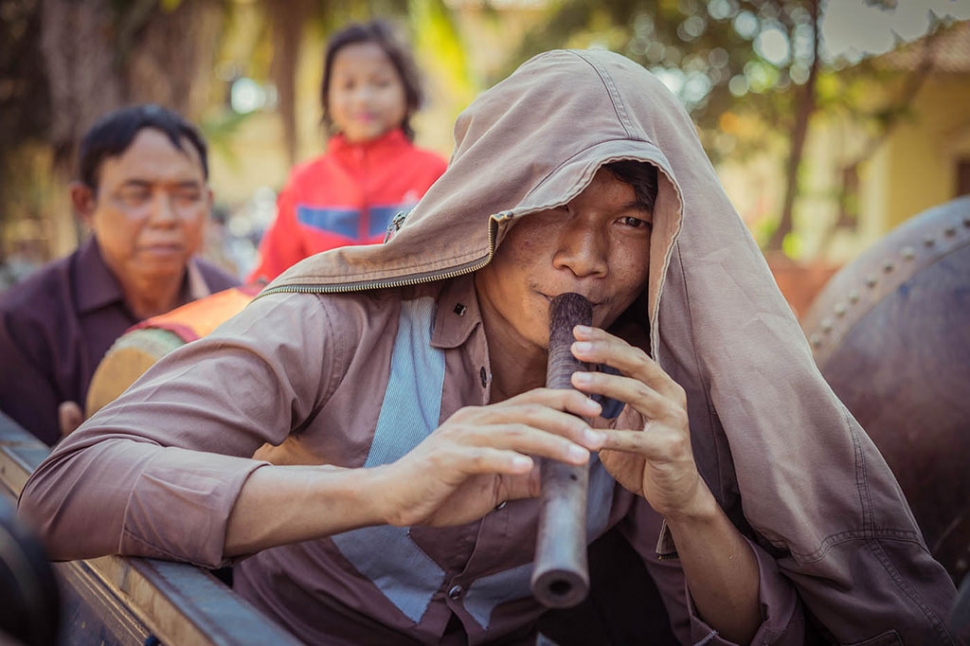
(923, 152)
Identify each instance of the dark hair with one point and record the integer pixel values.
(113, 133)
(381, 34)
(641, 176)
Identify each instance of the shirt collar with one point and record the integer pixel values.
(458, 313)
(97, 286)
(395, 138)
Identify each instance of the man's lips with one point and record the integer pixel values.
(592, 302)
(162, 249)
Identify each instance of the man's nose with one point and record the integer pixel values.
(163, 210)
(583, 249)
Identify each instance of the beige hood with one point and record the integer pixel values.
(767, 431)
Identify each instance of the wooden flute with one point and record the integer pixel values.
(560, 577)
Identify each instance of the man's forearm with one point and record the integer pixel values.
(721, 570)
(287, 504)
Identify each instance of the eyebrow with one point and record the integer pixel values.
(144, 183)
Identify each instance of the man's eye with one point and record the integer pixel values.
(135, 196)
(636, 223)
(188, 196)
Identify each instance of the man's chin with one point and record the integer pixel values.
(160, 269)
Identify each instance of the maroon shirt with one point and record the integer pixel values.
(57, 325)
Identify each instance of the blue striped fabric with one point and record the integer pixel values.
(486, 593)
(380, 217)
(489, 591)
(386, 555)
(344, 222)
(412, 402)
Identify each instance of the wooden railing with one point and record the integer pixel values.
(125, 601)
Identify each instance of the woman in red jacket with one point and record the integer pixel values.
(371, 170)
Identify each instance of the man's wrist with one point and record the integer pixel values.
(370, 495)
(701, 508)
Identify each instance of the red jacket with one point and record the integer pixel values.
(346, 196)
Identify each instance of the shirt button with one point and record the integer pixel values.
(455, 593)
(484, 376)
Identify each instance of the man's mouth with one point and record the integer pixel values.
(592, 302)
(162, 249)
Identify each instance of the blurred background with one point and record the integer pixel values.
(829, 122)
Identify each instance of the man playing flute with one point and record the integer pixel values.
(394, 399)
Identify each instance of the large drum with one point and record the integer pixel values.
(891, 334)
(141, 346)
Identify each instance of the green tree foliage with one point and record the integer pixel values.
(737, 63)
(716, 55)
(725, 59)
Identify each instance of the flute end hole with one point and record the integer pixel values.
(560, 588)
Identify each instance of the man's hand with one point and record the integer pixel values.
(648, 450)
(479, 458)
(649, 453)
(483, 456)
(69, 417)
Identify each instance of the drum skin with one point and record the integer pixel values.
(891, 335)
(140, 347)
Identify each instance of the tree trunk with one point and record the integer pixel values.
(805, 107)
(288, 18)
(172, 55)
(99, 58)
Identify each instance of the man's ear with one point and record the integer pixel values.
(83, 200)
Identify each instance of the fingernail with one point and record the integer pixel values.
(582, 346)
(578, 454)
(585, 329)
(583, 377)
(522, 462)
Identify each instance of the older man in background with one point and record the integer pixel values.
(143, 192)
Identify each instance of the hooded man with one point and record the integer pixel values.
(402, 384)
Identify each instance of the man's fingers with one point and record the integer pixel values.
(595, 346)
(644, 399)
(524, 440)
(565, 400)
(69, 417)
(657, 443)
(553, 412)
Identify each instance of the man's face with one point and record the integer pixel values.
(598, 246)
(149, 211)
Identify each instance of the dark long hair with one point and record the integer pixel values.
(380, 33)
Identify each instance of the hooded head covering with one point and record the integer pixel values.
(781, 454)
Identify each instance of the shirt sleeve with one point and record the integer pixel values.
(782, 614)
(782, 617)
(157, 472)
